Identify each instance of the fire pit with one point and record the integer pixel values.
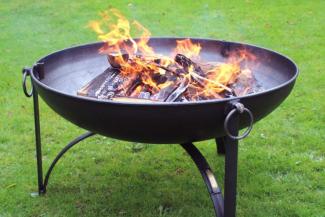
(70, 81)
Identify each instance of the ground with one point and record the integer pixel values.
(281, 163)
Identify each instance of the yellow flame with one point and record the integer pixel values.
(115, 30)
(187, 48)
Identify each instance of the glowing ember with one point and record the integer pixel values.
(138, 72)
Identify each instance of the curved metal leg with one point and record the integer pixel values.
(62, 152)
(208, 177)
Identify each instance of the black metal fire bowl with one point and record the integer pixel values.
(58, 76)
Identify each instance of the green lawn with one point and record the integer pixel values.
(281, 163)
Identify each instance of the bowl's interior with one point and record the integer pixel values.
(68, 70)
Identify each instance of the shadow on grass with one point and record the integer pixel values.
(143, 189)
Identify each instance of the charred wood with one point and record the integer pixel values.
(163, 94)
(179, 90)
(132, 100)
(103, 85)
(132, 85)
(159, 79)
(245, 84)
(144, 95)
(115, 59)
(186, 63)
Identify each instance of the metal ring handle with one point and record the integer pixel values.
(26, 72)
(241, 109)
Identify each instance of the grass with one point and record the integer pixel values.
(281, 164)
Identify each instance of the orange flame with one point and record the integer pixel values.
(187, 48)
(115, 30)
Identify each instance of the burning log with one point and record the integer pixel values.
(132, 100)
(183, 61)
(130, 85)
(245, 83)
(182, 99)
(169, 80)
(144, 74)
(144, 95)
(198, 74)
(186, 63)
(179, 90)
(166, 69)
(164, 93)
(102, 86)
(108, 84)
(159, 78)
(115, 59)
(208, 66)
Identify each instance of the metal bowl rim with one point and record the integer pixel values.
(211, 101)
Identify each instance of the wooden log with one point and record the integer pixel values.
(208, 66)
(179, 90)
(182, 99)
(108, 84)
(130, 85)
(112, 84)
(115, 59)
(144, 95)
(132, 100)
(245, 84)
(186, 62)
(98, 84)
(163, 94)
(159, 79)
(183, 61)
(108, 89)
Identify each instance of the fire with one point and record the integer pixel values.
(155, 73)
(187, 48)
(117, 36)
